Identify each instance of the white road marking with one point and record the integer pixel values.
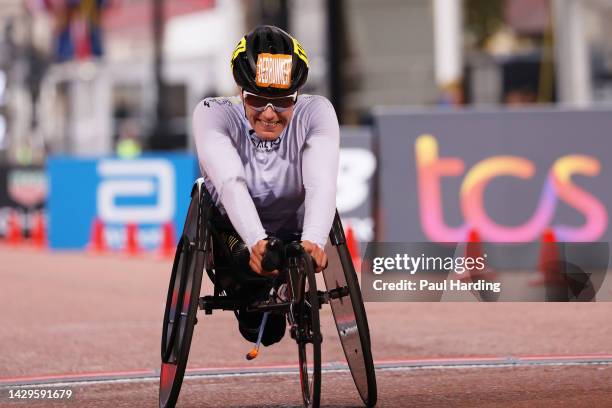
(400, 365)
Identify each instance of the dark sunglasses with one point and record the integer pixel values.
(261, 103)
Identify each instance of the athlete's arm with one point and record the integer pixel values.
(220, 161)
(320, 171)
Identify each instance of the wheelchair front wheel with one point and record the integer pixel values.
(308, 337)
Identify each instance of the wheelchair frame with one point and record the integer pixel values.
(194, 254)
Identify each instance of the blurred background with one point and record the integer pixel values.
(119, 78)
(461, 120)
(76, 75)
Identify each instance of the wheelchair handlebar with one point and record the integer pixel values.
(272, 259)
(277, 252)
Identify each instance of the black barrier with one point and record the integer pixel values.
(464, 272)
(23, 194)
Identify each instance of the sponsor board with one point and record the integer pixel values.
(508, 174)
(355, 182)
(23, 192)
(148, 192)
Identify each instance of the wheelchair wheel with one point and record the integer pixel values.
(349, 314)
(179, 321)
(309, 339)
(181, 307)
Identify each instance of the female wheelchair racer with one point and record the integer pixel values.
(269, 160)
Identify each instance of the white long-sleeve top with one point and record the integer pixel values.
(271, 187)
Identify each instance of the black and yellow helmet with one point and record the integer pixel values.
(269, 62)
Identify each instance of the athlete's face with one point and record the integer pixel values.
(267, 121)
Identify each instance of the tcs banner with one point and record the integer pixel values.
(507, 174)
(148, 192)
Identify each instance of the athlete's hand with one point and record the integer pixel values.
(257, 252)
(317, 253)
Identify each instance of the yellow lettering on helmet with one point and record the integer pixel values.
(241, 47)
(299, 51)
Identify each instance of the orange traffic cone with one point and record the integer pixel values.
(473, 250)
(168, 244)
(38, 232)
(14, 232)
(479, 269)
(353, 247)
(474, 244)
(97, 242)
(131, 241)
(549, 264)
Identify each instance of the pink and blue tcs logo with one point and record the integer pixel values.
(558, 186)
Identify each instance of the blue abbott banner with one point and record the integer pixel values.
(508, 175)
(148, 192)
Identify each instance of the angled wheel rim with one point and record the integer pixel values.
(353, 331)
(174, 299)
(172, 370)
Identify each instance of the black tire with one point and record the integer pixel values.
(351, 320)
(181, 307)
(309, 340)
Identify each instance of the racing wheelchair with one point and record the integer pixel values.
(195, 254)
